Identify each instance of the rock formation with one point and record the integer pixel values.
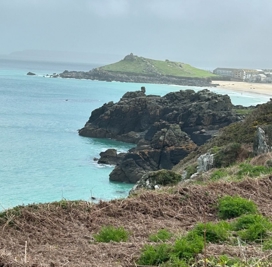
(164, 129)
(30, 73)
(263, 141)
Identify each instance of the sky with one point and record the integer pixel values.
(203, 33)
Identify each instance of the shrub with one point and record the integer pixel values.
(188, 247)
(190, 170)
(110, 233)
(154, 255)
(252, 227)
(164, 177)
(232, 207)
(215, 232)
(162, 235)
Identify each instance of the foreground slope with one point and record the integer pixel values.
(61, 233)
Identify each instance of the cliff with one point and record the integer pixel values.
(165, 129)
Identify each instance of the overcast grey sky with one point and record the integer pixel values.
(203, 33)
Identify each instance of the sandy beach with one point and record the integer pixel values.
(253, 88)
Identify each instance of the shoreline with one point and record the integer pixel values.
(245, 87)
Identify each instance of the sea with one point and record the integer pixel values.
(42, 157)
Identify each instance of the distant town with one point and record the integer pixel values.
(246, 75)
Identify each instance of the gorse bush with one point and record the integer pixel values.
(232, 207)
(214, 232)
(110, 233)
(154, 255)
(183, 250)
(252, 227)
(161, 235)
(189, 246)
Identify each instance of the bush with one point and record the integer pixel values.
(215, 232)
(164, 177)
(110, 233)
(252, 227)
(162, 235)
(190, 170)
(232, 207)
(154, 255)
(189, 246)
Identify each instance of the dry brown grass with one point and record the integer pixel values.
(61, 234)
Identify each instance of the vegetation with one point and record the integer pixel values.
(227, 155)
(165, 177)
(214, 232)
(144, 66)
(161, 235)
(232, 207)
(253, 227)
(110, 233)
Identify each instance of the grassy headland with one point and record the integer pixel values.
(144, 66)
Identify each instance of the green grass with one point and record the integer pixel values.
(110, 233)
(246, 169)
(144, 66)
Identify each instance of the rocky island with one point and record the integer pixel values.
(165, 129)
(143, 70)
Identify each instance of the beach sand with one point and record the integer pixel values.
(253, 88)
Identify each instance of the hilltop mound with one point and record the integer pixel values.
(61, 233)
(143, 70)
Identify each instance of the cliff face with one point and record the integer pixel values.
(165, 129)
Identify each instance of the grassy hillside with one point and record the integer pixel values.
(141, 65)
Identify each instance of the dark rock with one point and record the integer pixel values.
(165, 129)
(110, 156)
(30, 73)
(154, 78)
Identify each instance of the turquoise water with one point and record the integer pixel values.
(42, 157)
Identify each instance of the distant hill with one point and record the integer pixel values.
(143, 70)
(140, 65)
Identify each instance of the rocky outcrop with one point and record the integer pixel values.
(164, 129)
(205, 162)
(263, 141)
(31, 73)
(111, 157)
(108, 76)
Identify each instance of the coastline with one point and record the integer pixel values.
(245, 87)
